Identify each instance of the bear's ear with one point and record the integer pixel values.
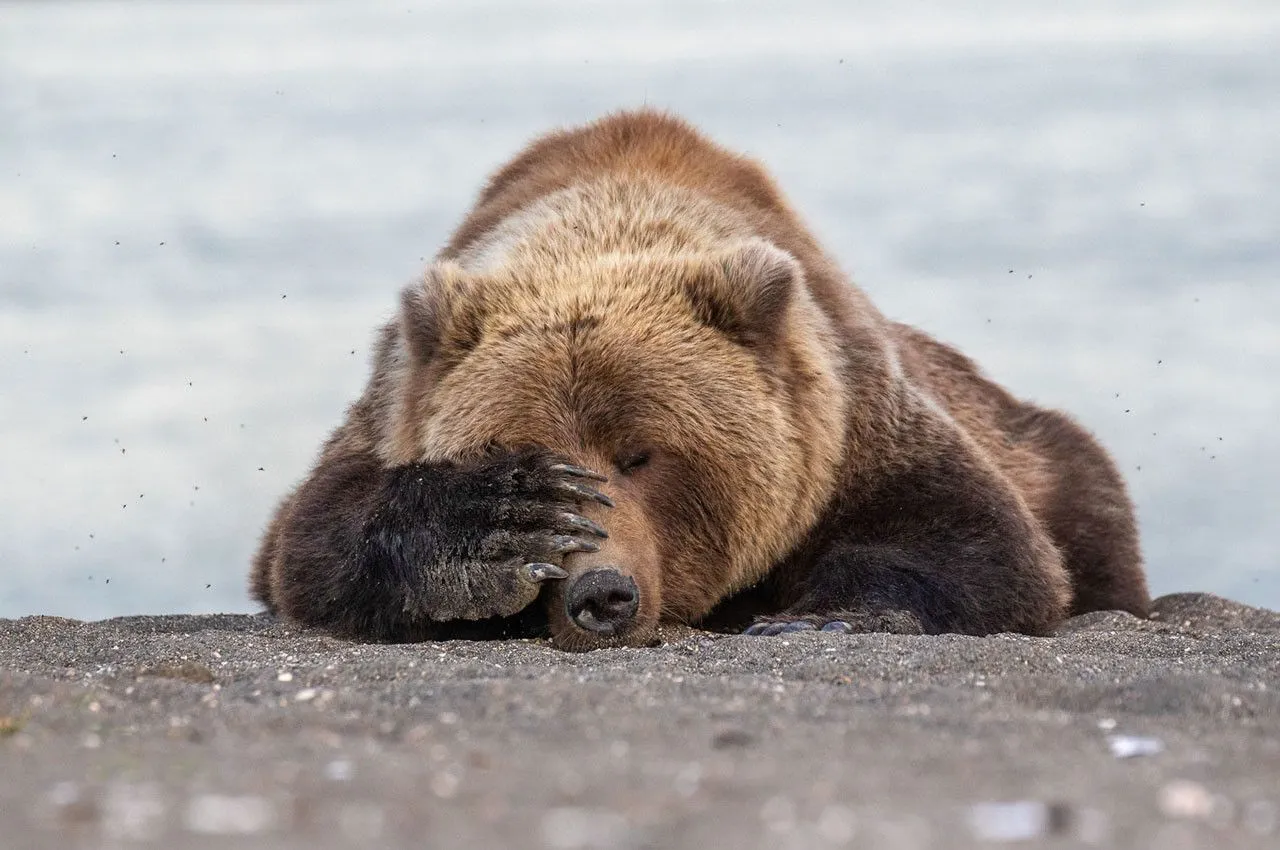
(427, 319)
(747, 294)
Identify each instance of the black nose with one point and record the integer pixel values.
(602, 601)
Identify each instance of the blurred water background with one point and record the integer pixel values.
(205, 209)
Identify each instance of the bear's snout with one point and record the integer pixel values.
(602, 601)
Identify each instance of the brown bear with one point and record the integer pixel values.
(634, 389)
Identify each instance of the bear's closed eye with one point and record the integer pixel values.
(630, 462)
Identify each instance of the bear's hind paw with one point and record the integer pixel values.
(851, 622)
(782, 627)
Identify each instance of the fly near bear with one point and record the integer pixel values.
(633, 389)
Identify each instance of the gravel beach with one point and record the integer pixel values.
(231, 730)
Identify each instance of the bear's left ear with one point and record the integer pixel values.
(431, 318)
(747, 296)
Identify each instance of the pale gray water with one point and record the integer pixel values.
(1085, 201)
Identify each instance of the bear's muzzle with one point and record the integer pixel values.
(602, 600)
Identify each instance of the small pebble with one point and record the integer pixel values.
(778, 814)
(220, 814)
(1183, 798)
(688, 779)
(1132, 746)
(1261, 817)
(1015, 821)
(339, 770)
(570, 828)
(133, 812)
(728, 738)
(837, 824)
(445, 784)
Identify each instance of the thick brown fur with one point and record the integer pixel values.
(629, 290)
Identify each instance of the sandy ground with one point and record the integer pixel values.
(193, 731)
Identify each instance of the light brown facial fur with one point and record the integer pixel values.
(698, 362)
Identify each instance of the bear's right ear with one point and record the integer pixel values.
(748, 296)
(426, 318)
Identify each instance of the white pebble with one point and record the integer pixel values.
(305, 695)
(219, 814)
(571, 828)
(445, 784)
(837, 824)
(1130, 746)
(688, 779)
(133, 812)
(64, 794)
(338, 770)
(284, 676)
(778, 814)
(1016, 821)
(1183, 798)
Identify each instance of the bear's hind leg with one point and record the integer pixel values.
(1090, 517)
(943, 545)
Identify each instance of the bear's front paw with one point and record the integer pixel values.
(846, 622)
(522, 511)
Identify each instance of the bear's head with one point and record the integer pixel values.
(704, 385)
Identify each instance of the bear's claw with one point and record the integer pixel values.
(583, 492)
(788, 626)
(579, 471)
(562, 544)
(888, 621)
(543, 572)
(578, 521)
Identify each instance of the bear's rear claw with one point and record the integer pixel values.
(769, 629)
(766, 629)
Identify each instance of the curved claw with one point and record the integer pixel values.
(580, 471)
(765, 629)
(542, 572)
(788, 627)
(582, 491)
(578, 521)
(563, 543)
